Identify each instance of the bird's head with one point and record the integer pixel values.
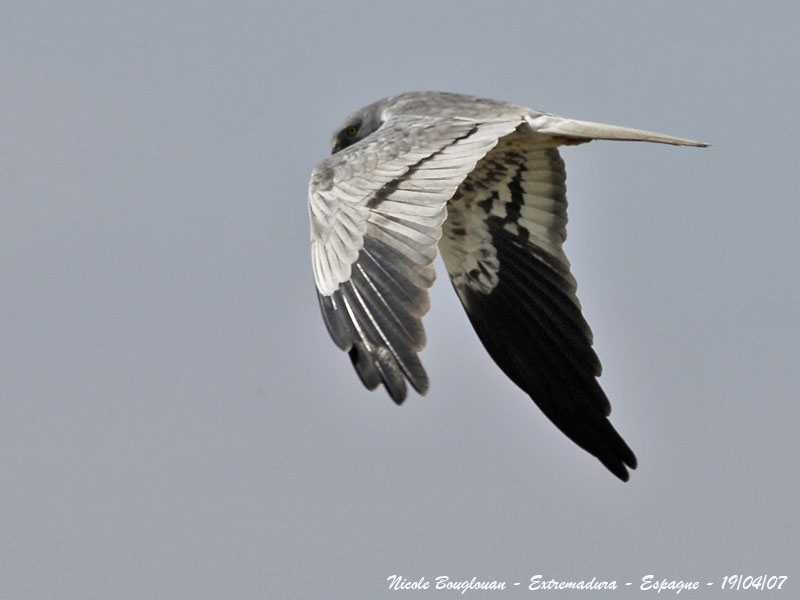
(357, 126)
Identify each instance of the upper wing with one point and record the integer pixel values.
(502, 246)
(376, 210)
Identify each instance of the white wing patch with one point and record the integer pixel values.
(522, 182)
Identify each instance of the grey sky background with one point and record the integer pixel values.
(175, 421)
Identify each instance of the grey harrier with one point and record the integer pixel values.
(484, 182)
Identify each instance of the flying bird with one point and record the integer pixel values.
(483, 181)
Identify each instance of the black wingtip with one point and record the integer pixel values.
(619, 468)
(529, 337)
(378, 367)
(365, 368)
(615, 454)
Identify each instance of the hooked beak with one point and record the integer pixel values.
(336, 145)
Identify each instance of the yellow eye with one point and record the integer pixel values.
(351, 131)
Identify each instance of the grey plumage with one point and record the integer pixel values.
(482, 180)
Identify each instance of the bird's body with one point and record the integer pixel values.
(482, 180)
